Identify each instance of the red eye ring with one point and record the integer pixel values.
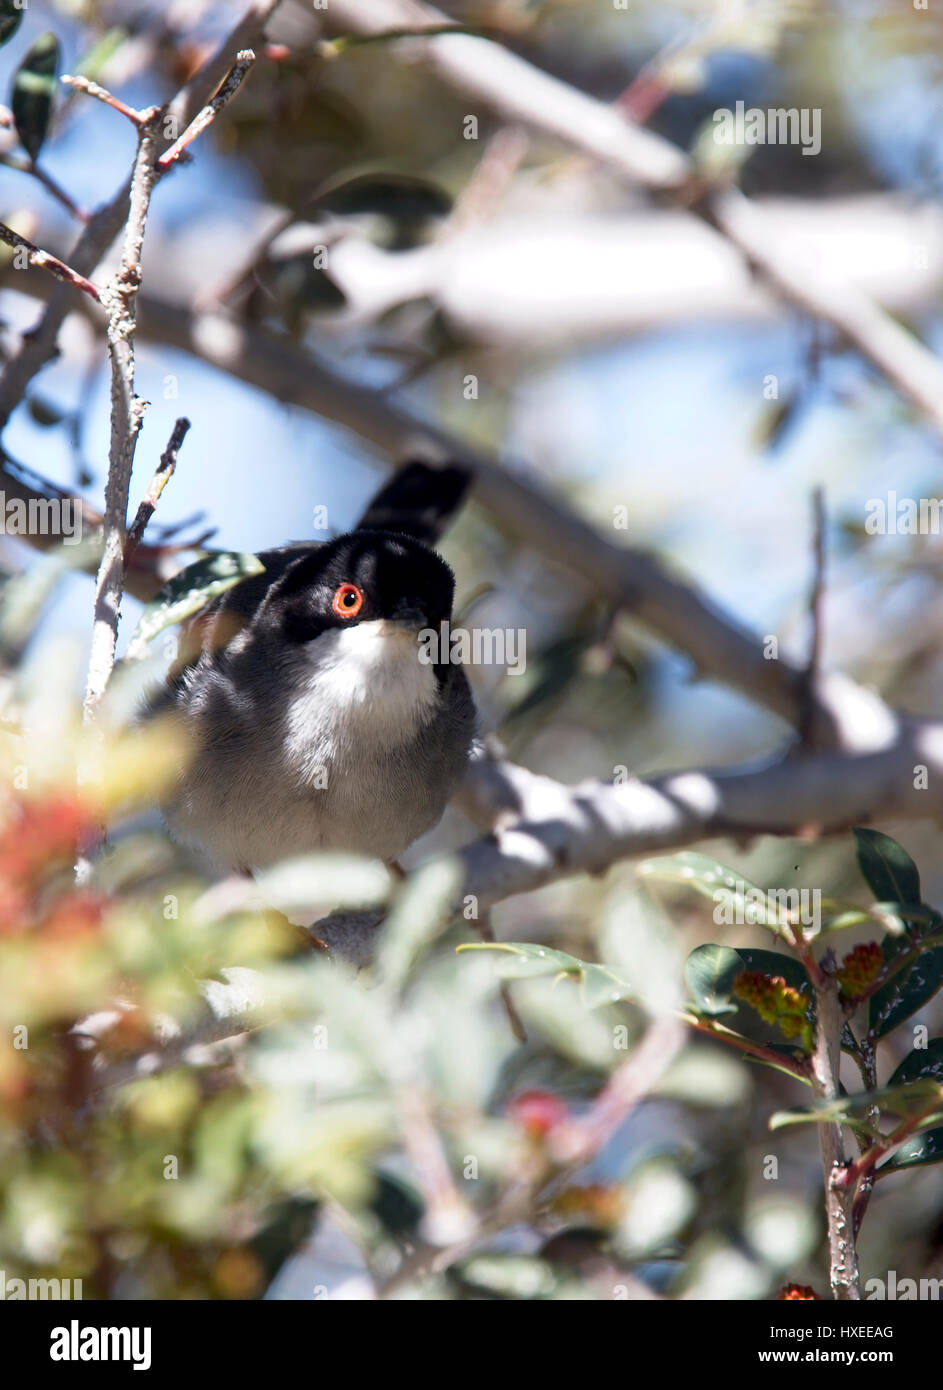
(348, 601)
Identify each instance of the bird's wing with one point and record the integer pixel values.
(214, 627)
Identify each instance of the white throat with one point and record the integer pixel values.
(363, 681)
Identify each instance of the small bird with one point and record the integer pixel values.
(311, 720)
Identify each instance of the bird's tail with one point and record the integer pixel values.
(419, 500)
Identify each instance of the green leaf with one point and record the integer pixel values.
(887, 868)
(922, 1061)
(188, 592)
(34, 90)
(918, 1150)
(737, 900)
(519, 1277)
(602, 986)
(710, 971)
(853, 1110)
(524, 960)
(905, 993)
(11, 17)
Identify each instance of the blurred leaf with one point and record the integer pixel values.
(93, 61)
(311, 880)
(523, 960)
(886, 866)
(189, 591)
(658, 1202)
(640, 941)
(34, 90)
(705, 1076)
(778, 421)
(23, 597)
(405, 205)
(333, 48)
(420, 912)
(43, 413)
(738, 897)
(11, 17)
(510, 1276)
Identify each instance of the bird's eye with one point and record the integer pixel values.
(348, 601)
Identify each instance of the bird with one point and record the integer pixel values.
(310, 718)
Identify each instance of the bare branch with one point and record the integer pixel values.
(92, 89)
(28, 166)
(39, 346)
(127, 413)
(162, 476)
(911, 368)
(518, 91)
(234, 80)
(523, 94)
(839, 1200)
(43, 260)
(545, 831)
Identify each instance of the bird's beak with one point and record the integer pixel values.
(408, 628)
(408, 617)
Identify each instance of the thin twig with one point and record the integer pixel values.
(43, 260)
(39, 346)
(486, 932)
(162, 475)
(27, 166)
(712, 1029)
(234, 80)
(581, 1139)
(447, 1216)
(92, 89)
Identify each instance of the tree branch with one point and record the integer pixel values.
(234, 80)
(127, 413)
(44, 261)
(39, 346)
(162, 476)
(839, 1200)
(523, 94)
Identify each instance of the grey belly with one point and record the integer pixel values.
(251, 817)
